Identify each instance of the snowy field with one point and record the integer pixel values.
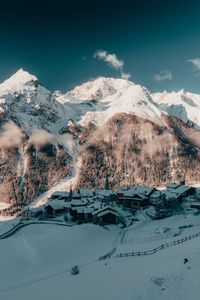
(6, 223)
(35, 263)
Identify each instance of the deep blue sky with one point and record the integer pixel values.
(56, 41)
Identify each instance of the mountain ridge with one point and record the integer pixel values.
(110, 126)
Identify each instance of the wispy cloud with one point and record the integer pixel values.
(125, 76)
(195, 62)
(163, 75)
(113, 62)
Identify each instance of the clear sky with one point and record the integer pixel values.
(56, 41)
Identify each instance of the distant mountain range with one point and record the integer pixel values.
(114, 127)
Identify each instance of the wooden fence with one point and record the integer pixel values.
(163, 246)
(108, 255)
(19, 226)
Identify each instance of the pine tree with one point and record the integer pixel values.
(107, 184)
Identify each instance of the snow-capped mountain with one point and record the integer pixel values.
(25, 101)
(99, 89)
(182, 104)
(113, 96)
(112, 126)
(20, 82)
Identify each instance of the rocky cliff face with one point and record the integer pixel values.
(116, 129)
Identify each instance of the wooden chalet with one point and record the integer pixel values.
(175, 194)
(133, 199)
(55, 207)
(106, 215)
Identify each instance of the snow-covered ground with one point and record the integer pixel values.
(7, 222)
(4, 205)
(35, 263)
(38, 251)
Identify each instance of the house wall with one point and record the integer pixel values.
(135, 203)
(49, 212)
(108, 219)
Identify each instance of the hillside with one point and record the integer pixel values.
(109, 126)
(37, 261)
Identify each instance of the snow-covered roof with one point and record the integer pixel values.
(107, 211)
(181, 189)
(56, 204)
(76, 195)
(105, 193)
(121, 191)
(96, 205)
(171, 196)
(105, 208)
(144, 190)
(36, 209)
(78, 202)
(84, 210)
(133, 194)
(138, 189)
(155, 194)
(173, 185)
(88, 210)
(86, 193)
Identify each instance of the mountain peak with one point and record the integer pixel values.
(99, 88)
(17, 82)
(22, 76)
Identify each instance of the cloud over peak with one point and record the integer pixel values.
(113, 62)
(111, 59)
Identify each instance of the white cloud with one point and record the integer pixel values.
(113, 62)
(163, 75)
(195, 62)
(125, 76)
(111, 59)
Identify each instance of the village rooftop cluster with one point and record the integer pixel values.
(105, 206)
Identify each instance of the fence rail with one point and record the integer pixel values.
(159, 248)
(19, 226)
(108, 255)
